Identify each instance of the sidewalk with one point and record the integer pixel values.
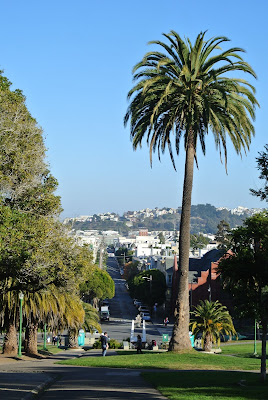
(26, 380)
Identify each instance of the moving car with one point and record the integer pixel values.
(105, 313)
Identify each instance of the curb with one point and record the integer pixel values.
(34, 393)
(40, 388)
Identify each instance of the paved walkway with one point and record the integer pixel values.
(27, 379)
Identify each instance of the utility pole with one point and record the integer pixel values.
(101, 253)
(100, 260)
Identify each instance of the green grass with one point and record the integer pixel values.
(50, 350)
(205, 385)
(241, 350)
(166, 360)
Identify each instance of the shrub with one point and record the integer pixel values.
(113, 344)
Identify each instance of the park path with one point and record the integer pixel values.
(43, 379)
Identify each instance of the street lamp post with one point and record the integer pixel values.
(255, 338)
(209, 293)
(45, 337)
(21, 296)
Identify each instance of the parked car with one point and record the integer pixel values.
(138, 303)
(143, 309)
(96, 333)
(145, 316)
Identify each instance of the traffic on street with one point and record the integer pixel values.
(123, 311)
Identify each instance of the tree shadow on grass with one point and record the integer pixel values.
(208, 385)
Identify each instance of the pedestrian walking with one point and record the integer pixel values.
(139, 344)
(104, 343)
(166, 321)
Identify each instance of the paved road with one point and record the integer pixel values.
(107, 383)
(123, 312)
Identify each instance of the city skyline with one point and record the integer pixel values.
(73, 62)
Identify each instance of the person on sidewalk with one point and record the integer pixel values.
(139, 344)
(166, 321)
(104, 343)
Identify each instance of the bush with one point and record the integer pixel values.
(113, 344)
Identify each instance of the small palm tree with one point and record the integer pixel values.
(183, 92)
(91, 318)
(211, 319)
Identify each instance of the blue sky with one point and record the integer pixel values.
(73, 61)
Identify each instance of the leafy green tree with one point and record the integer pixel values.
(245, 273)
(211, 319)
(149, 286)
(25, 181)
(262, 162)
(35, 256)
(123, 255)
(198, 241)
(98, 284)
(161, 237)
(186, 90)
(131, 269)
(223, 235)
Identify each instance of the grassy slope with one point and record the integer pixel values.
(206, 378)
(192, 360)
(208, 385)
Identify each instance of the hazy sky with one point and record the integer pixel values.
(73, 61)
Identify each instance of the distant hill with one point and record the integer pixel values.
(204, 219)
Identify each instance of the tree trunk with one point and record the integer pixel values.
(208, 342)
(263, 349)
(73, 338)
(10, 346)
(30, 343)
(180, 339)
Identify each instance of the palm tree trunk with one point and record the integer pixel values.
(73, 338)
(30, 346)
(263, 349)
(180, 339)
(208, 342)
(10, 346)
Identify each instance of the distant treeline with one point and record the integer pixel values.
(204, 219)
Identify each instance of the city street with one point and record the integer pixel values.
(25, 379)
(123, 312)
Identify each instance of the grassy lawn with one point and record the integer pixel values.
(50, 350)
(241, 350)
(205, 385)
(154, 360)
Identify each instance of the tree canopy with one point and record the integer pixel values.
(245, 272)
(37, 256)
(262, 162)
(148, 286)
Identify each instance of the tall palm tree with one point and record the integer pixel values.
(211, 319)
(187, 90)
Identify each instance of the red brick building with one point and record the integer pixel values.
(204, 282)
